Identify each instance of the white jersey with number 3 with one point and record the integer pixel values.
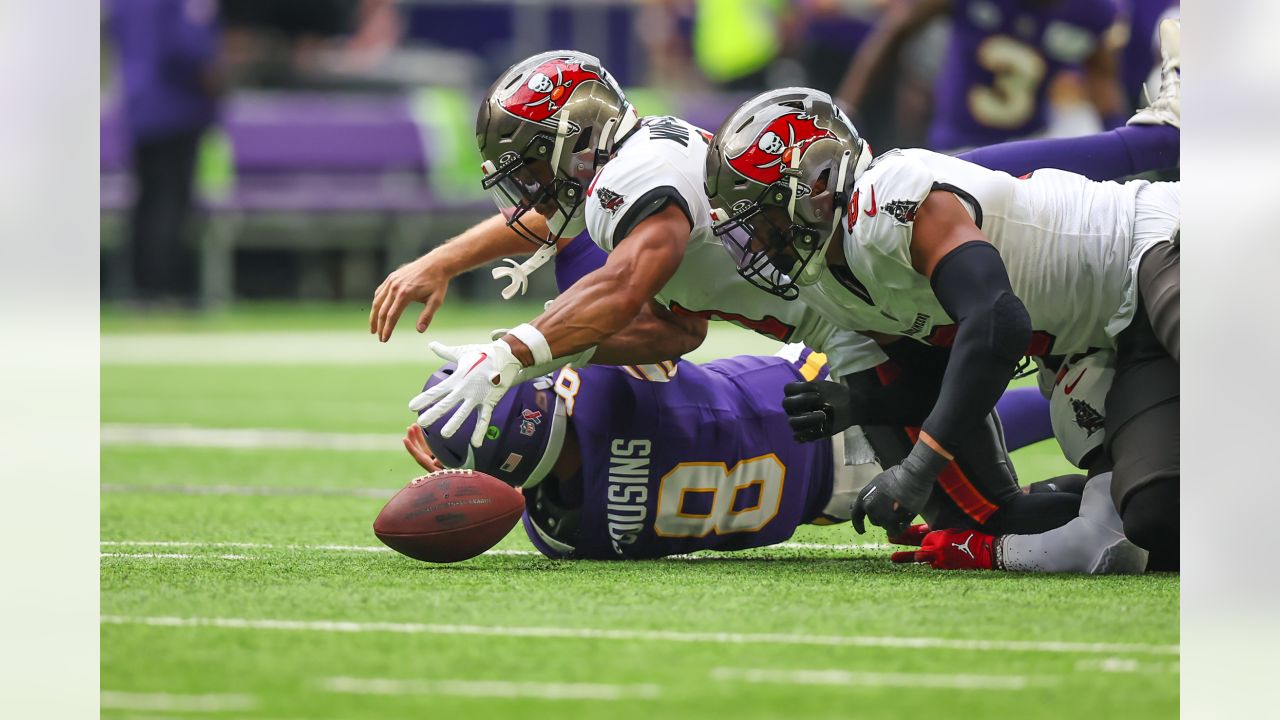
(1067, 242)
(664, 162)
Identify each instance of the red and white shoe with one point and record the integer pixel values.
(953, 550)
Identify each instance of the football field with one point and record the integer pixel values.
(244, 458)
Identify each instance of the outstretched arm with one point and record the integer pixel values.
(426, 280)
(654, 335)
(608, 299)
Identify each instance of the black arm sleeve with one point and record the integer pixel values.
(992, 333)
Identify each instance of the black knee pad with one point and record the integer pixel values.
(1151, 517)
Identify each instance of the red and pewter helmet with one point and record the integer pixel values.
(779, 173)
(545, 128)
(524, 439)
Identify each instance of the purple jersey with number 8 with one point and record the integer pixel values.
(682, 457)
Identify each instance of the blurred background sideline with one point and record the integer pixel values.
(298, 150)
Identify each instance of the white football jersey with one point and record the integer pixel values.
(665, 160)
(1067, 242)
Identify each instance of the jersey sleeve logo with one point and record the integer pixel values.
(903, 211)
(610, 201)
(777, 146)
(548, 88)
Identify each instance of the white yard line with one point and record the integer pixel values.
(491, 689)
(128, 434)
(170, 556)
(726, 638)
(1125, 665)
(846, 678)
(116, 700)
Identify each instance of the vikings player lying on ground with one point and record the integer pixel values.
(969, 270)
(639, 462)
(641, 181)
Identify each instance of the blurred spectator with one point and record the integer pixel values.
(167, 60)
(735, 41)
(1000, 57)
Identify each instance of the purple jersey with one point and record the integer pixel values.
(1002, 53)
(702, 460)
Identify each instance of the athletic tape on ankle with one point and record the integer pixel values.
(530, 336)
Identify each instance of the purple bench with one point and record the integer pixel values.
(305, 158)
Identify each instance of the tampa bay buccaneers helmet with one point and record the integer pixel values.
(545, 127)
(779, 173)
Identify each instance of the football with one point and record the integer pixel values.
(448, 516)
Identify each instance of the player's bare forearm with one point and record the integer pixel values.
(608, 299)
(485, 242)
(654, 335)
(426, 280)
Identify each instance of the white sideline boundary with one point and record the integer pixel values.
(674, 636)
(117, 700)
(169, 556)
(491, 689)
(846, 678)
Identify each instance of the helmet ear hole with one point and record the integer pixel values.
(584, 140)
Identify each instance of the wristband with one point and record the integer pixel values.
(530, 336)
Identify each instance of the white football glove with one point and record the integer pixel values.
(485, 373)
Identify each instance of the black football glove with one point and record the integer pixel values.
(817, 409)
(894, 497)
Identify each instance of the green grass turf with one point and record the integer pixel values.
(805, 591)
(254, 316)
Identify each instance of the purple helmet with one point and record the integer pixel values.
(526, 432)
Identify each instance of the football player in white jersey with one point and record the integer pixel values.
(560, 142)
(638, 180)
(924, 250)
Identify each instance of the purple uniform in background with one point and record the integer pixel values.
(701, 461)
(165, 48)
(1002, 53)
(1142, 53)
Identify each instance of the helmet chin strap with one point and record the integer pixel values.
(809, 274)
(518, 273)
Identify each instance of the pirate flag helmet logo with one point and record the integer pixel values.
(779, 145)
(548, 88)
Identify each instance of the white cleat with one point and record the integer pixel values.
(1166, 109)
